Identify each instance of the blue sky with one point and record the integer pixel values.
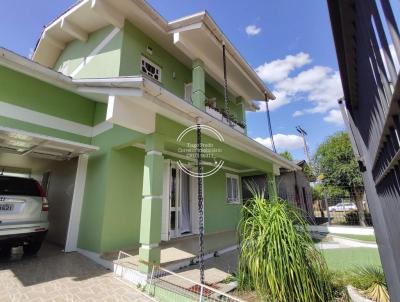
(288, 42)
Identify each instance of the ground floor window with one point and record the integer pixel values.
(232, 189)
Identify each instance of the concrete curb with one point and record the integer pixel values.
(355, 296)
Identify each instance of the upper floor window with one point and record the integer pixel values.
(188, 92)
(151, 69)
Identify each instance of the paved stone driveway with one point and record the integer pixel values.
(56, 276)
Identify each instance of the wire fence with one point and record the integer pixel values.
(175, 286)
(166, 285)
(339, 208)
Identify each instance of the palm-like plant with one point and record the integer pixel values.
(278, 258)
(370, 280)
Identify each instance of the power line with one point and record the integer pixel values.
(269, 124)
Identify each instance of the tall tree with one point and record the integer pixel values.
(335, 160)
(286, 154)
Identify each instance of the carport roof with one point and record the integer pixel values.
(26, 143)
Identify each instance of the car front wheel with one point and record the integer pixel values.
(32, 248)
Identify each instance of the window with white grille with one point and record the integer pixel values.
(151, 69)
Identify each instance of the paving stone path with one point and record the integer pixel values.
(55, 276)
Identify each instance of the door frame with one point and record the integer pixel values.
(166, 233)
(71, 242)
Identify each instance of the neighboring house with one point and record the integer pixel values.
(368, 45)
(119, 86)
(294, 186)
(291, 185)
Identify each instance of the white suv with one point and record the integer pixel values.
(23, 214)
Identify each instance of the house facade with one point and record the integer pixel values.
(294, 186)
(114, 85)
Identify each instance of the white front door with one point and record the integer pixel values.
(179, 210)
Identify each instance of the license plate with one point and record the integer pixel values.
(6, 207)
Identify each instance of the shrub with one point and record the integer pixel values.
(370, 280)
(278, 258)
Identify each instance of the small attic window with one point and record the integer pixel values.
(149, 50)
(151, 69)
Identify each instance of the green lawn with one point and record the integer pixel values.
(344, 259)
(369, 238)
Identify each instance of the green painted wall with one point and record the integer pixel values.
(90, 228)
(99, 113)
(22, 90)
(122, 57)
(104, 64)
(219, 215)
(121, 220)
(112, 199)
(214, 89)
(170, 130)
(135, 44)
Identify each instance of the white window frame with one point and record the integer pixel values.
(143, 58)
(239, 193)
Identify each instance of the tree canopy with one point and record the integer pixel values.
(335, 161)
(286, 154)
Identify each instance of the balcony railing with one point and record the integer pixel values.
(227, 119)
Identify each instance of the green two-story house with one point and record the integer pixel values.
(113, 85)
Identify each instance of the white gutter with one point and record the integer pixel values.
(29, 67)
(21, 64)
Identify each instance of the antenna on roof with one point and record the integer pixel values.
(269, 123)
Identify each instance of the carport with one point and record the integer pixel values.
(60, 166)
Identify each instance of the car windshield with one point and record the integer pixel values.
(18, 186)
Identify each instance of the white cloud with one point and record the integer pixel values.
(334, 116)
(280, 101)
(282, 141)
(280, 69)
(320, 85)
(252, 30)
(297, 113)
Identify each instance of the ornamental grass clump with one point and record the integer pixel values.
(278, 258)
(371, 282)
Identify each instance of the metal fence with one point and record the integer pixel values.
(166, 285)
(348, 209)
(175, 286)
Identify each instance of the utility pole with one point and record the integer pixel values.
(303, 134)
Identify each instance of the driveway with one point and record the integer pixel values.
(56, 276)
